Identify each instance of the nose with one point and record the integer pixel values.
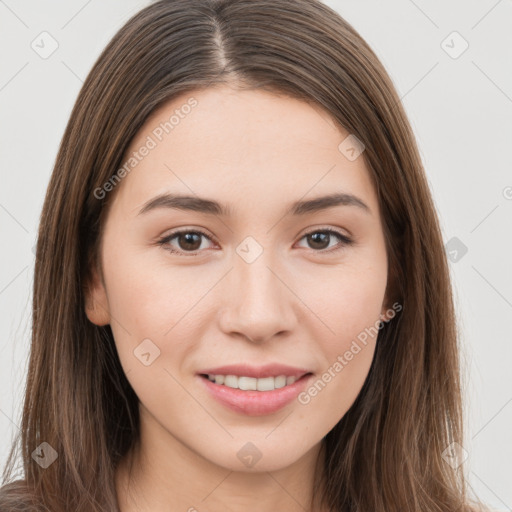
(257, 302)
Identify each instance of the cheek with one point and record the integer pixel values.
(332, 392)
(153, 322)
(349, 304)
(347, 355)
(150, 295)
(151, 300)
(347, 299)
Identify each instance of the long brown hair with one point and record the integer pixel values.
(386, 453)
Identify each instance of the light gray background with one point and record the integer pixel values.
(461, 112)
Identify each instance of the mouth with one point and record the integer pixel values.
(254, 396)
(245, 383)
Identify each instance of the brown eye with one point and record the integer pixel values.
(320, 239)
(188, 241)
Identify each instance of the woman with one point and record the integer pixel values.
(241, 296)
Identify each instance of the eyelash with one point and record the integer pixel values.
(344, 240)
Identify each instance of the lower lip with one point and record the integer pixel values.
(255, 403)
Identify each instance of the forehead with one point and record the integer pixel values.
(252, 146)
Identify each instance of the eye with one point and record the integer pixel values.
(189, 241)
(321, 238)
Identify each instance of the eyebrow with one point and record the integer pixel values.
(211, 207)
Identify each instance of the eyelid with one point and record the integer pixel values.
(329, 228)
(345, 240)
(162, 241)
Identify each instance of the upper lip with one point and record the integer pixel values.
(258, 372)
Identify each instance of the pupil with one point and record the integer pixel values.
(316, 238)
(189, 240)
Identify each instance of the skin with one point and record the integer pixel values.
(295, 304)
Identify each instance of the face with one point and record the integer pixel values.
(247, 279)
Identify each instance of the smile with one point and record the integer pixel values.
(253, 396)
(252, 384)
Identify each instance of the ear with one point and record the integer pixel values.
(387, 308)
(387, 303)
(392, 294)
(96, 301)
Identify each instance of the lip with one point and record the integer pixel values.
(257, 372)
(254, 403)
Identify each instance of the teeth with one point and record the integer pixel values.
(290, 380)
(246, 383)
(250, 383)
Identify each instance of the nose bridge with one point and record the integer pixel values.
(258, 303)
